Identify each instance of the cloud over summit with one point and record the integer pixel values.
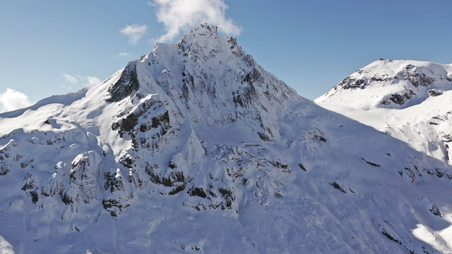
(134, 32)
(182, 15)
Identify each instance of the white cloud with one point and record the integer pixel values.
(134, 32)
(182, 15)
(69, 78)
(123, 54)
(12, 100)
(79, 81)
(92, 81)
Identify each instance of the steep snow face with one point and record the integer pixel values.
(390, 84)
(196, 148)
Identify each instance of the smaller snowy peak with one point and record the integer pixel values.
(390, 84)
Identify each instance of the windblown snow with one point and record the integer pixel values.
(195, 148)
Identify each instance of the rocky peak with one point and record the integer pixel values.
(203, 36)
(206, 79)
(203, 42)
(203, 30)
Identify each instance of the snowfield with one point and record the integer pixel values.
(195, 148)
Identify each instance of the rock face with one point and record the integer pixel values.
(196, 148)
(390, 84)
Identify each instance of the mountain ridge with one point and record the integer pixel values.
(390, 84)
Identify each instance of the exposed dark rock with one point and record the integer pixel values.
(263, 136)
(127, 161)
(150, 170)
(411, 174)
(398, 98)
(67, 199)
(177, 189)
(114, 207)
(172, 165)
(301, 166)
(126, 85)
(278, 195)
(371, 163)
(350, 83)
(26, 164)
(228, 196)
(439, 173)
(34, 196)
(113, 183)
(249, 95)
(174, 177)
(4, 170)
(129, 122)
(418, 78)
(435, 211)
(29, 185)
(197, 192)
(447, 138)
(337, 186)
(285, 168)
(390, 237)
(318, 137)
(434, 92)
(162, 120)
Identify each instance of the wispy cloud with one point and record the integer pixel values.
(92, 81)
(12, 100)
(69, 78)
(181, 15)
(79, 81)
(123, 54)
(134, 32)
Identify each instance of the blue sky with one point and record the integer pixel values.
(55, 47)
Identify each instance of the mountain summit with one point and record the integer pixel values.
(196, 148)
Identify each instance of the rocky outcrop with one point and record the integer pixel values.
(126, 85)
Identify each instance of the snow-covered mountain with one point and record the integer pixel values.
(196, 148)
(409, 100)
(391, 84)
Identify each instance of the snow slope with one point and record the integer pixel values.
(423, 120)
(196, 148)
